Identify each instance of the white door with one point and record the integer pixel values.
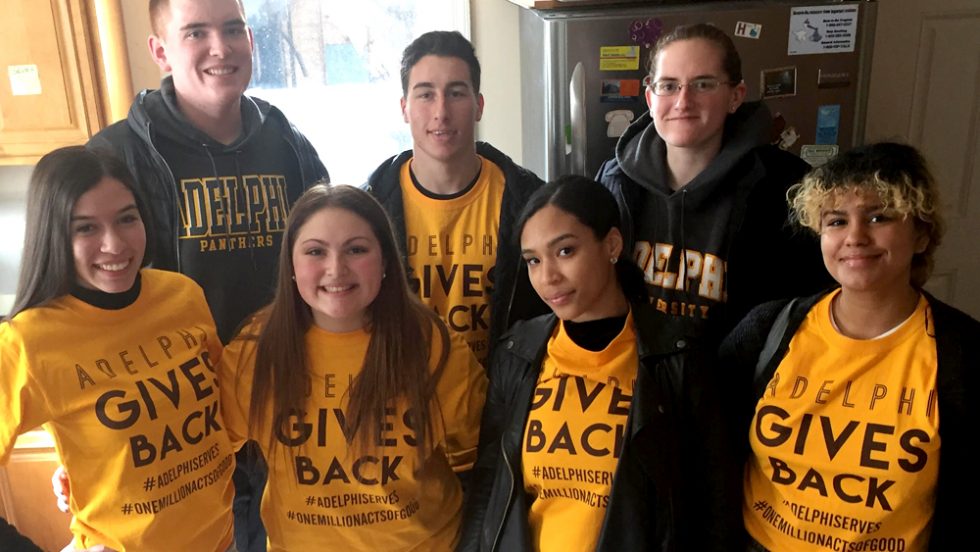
(925, 90)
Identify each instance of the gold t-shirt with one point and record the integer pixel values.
(845, 440)
(452, 250)
(130, 397)
(322, 494)
(574, 435)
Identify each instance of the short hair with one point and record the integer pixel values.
(731, 62)
(896, 173)
(59, 179)
(442, 44)
(159, 7)
(595, 207)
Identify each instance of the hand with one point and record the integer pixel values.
(61, 488)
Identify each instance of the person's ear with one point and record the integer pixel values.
(158, 51)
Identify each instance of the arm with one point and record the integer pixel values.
(235, 378)
(495, 414)
(712, 483)
(462, 390)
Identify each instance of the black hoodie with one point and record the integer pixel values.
(729, 224)
(218, 211)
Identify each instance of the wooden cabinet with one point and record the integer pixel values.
(64, 74)
(26, 499)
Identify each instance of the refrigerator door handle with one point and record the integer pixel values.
(576, 94)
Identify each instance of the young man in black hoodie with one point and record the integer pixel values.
(454, 201)
(703, 195)
(219, 171)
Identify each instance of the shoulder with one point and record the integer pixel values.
(386, 177)
(118, 136)
(610, 170)
(525, 338)
(953, 322)
(750, 334)
(781, 166)
(515, 174)
(173, 281)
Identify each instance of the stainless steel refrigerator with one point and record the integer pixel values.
(581, 72)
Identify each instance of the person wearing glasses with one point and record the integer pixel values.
(702, 193)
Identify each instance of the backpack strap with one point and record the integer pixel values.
(773, 340)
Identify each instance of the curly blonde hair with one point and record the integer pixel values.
(896, 173)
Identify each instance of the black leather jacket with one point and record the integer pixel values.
(675, 486)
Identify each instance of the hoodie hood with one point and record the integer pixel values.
(642, 153)
(156, 112)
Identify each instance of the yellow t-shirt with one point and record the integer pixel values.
(131, 400)
(321, 493)
(452, 249)
(575, 432)
(845, 440)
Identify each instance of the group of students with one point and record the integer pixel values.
(619, 421)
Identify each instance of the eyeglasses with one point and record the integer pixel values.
(704, 85)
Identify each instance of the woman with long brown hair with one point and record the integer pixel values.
(363, 403)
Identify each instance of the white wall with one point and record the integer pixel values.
(495, 36)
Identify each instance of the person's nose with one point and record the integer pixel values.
(112, 242)
(335, 264)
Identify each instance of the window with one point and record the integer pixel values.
(332, 66)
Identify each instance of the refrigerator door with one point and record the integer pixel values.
(816, 93)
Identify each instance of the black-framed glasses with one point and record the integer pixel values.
(667, 87)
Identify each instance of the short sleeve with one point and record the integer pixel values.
(235, 372)
(22, 403)
(462, 390)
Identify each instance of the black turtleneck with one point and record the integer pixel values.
(595, 335)
(108, 301)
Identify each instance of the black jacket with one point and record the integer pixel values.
(766, 257)
(513, 297)
(675, 487)
(958, 357)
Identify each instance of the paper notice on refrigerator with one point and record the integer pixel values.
(822, 30)
(619, 58)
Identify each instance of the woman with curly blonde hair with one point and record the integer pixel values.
(850, 386)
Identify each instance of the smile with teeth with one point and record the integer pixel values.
(337, 288)
(113, 267)
(220, 71)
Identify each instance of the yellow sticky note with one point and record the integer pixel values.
(619, 58)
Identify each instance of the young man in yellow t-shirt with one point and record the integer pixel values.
(454, 201)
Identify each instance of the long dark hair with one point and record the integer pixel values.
(396, 364)
(594, 206)
(47, 266)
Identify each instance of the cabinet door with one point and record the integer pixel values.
(26, 499)
(48, 95)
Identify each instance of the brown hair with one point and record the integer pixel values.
(731, 63)
(396, 365)
(896, 173)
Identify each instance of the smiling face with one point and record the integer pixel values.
(865, 247)
(338, 268)
(107, 237)
(442, 109)
(570, 267)
(689, 119)
(207, 47)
